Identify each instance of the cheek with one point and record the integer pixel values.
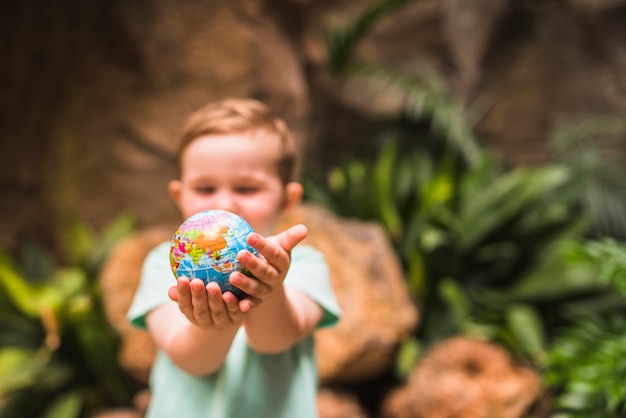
(262, 217)
(193, 204)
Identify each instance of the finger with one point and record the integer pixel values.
(287, 239)
(257, 266)
(184, 296)
(232, 306)
(248, 303)
(273, 255)
(218, 310)
(199, 301)
(292, 237)
(250, 285)
(172, 293)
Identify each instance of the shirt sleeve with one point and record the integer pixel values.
(156, 279)
(309, 274)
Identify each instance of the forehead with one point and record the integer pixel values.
(258, 148)
(254, 139)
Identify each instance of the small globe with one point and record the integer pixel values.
(205, 246)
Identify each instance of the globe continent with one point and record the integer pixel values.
(205, 246)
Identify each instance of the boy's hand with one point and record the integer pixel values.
(206, 306)
(270, 270)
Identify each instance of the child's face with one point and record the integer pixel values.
(235, 172)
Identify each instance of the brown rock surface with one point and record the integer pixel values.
(118, 413)
(465, 378)
(336, 404)
(95, 136)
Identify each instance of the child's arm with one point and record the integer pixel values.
(281, 317)
(197, 332)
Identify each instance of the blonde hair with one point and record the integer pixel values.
(240, 115)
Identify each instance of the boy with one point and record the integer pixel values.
(219, 356)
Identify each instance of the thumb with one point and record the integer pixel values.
(292, 237)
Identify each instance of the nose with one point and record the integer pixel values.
(225, 200)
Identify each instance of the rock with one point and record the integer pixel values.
(118, 413)
(465, 377)
(141, 401)
(377, 312)
(338, 404)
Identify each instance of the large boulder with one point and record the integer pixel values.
(465, 377)
(338, 404)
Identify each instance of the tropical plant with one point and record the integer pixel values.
(597, 146)
(424, 95)
(470, 238)
(58, 352)
(586, 363)
(486, 248)
(587, 368)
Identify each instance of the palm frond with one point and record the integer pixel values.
(597, 146)
(341, 43)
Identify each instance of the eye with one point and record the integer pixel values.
(247, 190)
(204, 189)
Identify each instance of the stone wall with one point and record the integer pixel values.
(93, 93)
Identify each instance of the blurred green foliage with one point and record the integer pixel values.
(58, 353)
(587, 367)
(484, 247)
(585, 364)
(597, 148)
(532, 258)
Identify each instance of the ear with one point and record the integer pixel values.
(293, 194)
(175, 187)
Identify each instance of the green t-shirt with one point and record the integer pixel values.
(249, 384)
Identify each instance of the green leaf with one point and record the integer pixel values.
(508, 196)
(574, 401)
(527, 328)
(17, 369)
(37, 263)
(383, 176)
(454, 296)
(415, 273)
(341, 44)
(87, 248)
(67, 405)
(24, 296)
(439, 190)
(120, 228)
(559, 274)
(81, 241)
(407, 356)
